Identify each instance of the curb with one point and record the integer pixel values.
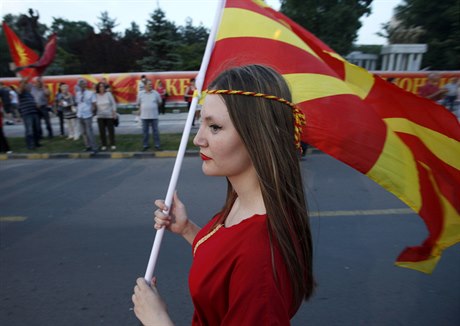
(106, 155)
(99, 155)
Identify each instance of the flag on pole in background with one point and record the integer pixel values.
(48, 56)
(20, 53)
(407, 144)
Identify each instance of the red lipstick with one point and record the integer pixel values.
(204, 157)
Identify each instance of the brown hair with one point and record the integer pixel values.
(267, 130)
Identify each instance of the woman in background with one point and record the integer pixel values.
(106, 110)
(66, 104)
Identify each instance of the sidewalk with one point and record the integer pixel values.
(169, 123)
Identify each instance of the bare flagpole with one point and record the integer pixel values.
(184, 140)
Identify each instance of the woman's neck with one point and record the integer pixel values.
(249, 201)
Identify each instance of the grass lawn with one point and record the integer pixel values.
(125, 143)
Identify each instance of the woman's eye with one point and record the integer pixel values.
(215, 128)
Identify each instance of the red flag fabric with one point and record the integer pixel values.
(47, 57)
(407, 144)
(20, 53)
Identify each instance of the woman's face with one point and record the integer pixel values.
(221, 148)
(101, 88)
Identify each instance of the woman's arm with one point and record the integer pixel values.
(190, 232)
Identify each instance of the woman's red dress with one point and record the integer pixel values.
(232, 280)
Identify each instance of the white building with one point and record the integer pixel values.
(402, 57)
(365, 60)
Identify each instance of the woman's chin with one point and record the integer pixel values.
(208, 171)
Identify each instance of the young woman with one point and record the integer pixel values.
(253, 261)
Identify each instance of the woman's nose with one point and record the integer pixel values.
(199, 140)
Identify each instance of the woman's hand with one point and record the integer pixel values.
(149, 308)
(177, 220)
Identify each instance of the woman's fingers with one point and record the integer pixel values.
(161, 219)
(161, 204)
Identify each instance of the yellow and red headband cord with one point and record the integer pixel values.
(299, 117)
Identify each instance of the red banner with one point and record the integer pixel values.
(411, 81)
(125, 85)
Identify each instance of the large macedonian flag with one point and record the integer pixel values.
(407, 144)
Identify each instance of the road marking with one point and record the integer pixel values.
(121, 155)
(390, 211)
(12, 218)
(170, 154)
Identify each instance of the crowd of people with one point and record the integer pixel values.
(30, 104)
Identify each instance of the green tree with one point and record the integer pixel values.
(440, 23)
(162, 44)
(81, 50)
(107, 24)
(134, 41)
(71, 36)
(133, 33)
(335, 22)
(193, 44)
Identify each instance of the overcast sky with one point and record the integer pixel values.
(201, 11)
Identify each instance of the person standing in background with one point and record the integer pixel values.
(140, 89)
(4, 146)
(162, 91)
(106, 83)
(15, 104)
(29, 112)
(141, 84)
(86, 99)
(59, 111)
(431, 89)
(41, 95)
(188, 96)
(106, 110)
(148, 102)
(451, 90)
(6, 103)
(66, 103)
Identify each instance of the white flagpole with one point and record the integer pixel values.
(184, 140)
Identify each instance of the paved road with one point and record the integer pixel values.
(75, 234)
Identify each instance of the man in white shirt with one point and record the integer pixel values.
(148, 102)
